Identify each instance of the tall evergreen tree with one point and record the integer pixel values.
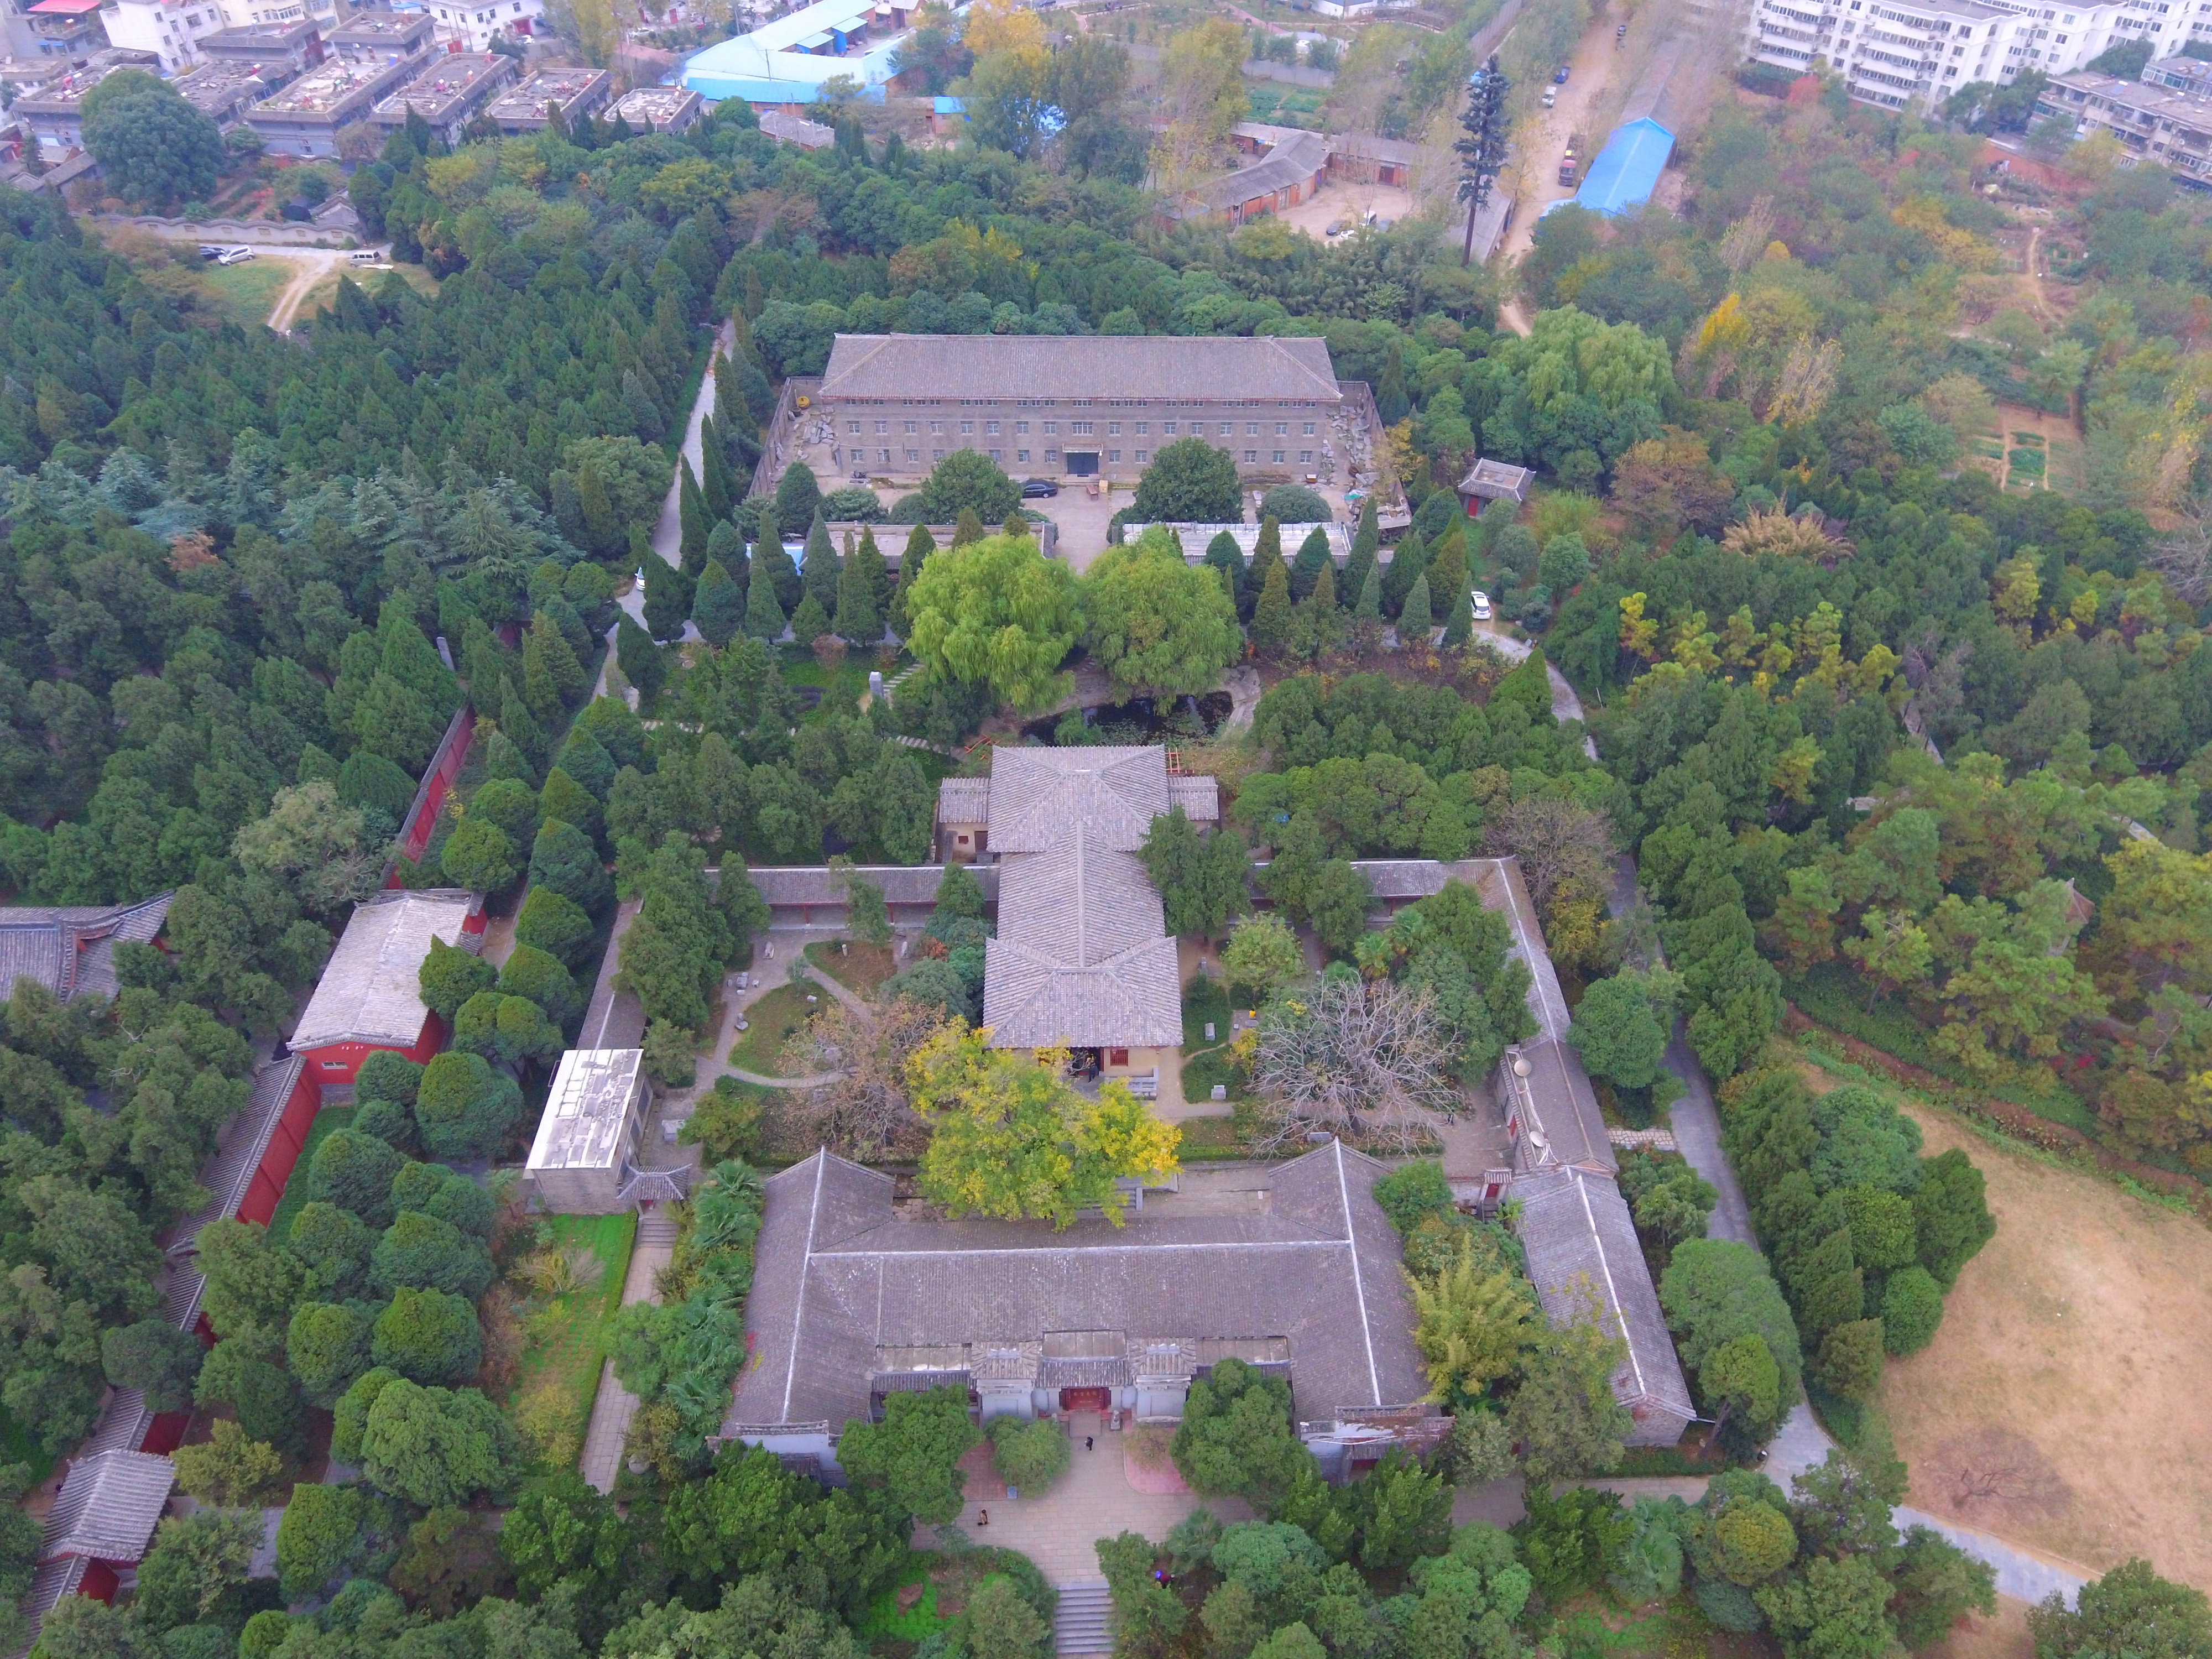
(773, 565)
(667, 597)
(716, 488)
(1271, 612)
(919, 545)
(692, 513)
(764, 617)
(718, 606)
(642, 663)
(1447, 569)
(859, 621)
(1415, 619)
(604, 534)
(1407, 560)
(521, 725)
(818, 574)
(1305, 570)
(1369, 606)
(726, 547)
(1225, 556)
(1323, 596)
(1267, 550)
(1460, 623)
(968, 528)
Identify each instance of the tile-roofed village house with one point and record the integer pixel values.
(1293, 1268)
(70, 949)
(369, 996)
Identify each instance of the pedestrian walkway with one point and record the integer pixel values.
(614, 1406)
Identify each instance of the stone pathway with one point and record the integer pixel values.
(614, 1406)
(1059, 1528)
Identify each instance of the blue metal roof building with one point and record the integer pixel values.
(1627, 169)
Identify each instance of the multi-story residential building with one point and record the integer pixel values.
(1894, 52)
(304, 118)
(54, 114)
(659, 109)
(55, 29)
(450, 90)
(473, 25)
(576, 93)
(383, 36)
(2156, 123)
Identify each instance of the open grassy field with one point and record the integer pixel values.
(295, 1188)
(2060, 1404)
(858, 967)
(245, 292)
(566, 1336)
(769, 1023)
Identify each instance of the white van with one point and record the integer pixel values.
(365, 256)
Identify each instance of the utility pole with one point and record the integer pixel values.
(1482, 151)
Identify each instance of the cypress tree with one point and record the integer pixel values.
(1306, 571)
(603, 533)
(818, 574)
(719, 606)
(1323, 597)
(874, 572)
(1460, 623)
(772, 565)
(1369, 606)
(764, 617)
(641, 658)
(520, 724)
(716, 488)
(1016, 526)
(1409, 560)
(1267, 552)
(968, 528)
(503, 758)
(860, 621)
(1271, 612)
(726, 547)
(1414, 617)
(667, 597)
(692, 513)
(919, 545)
(1447, 569)
(812, 623)
(798, 498)
(1225, 556)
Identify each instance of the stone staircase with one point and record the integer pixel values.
(654, 1227)
(1084, 1621)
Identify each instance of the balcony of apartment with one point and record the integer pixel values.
(1810, 20)
(1777, 31)
(1907, 83)
(66, 28)
(1918, 65)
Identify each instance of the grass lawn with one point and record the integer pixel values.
(296, 1189)
(2058, 1406)
(849, 680)
(771, 1021)
(248, 293)
(568, 1337)
(858, 967)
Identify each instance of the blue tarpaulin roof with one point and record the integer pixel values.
(1627, 169)
(943, 106)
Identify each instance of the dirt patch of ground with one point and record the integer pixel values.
(2003, 1637)
(2059, 1406)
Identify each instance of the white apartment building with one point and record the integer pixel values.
(173, 29)
(1893, 52)
(473, 25)
(2159, 123)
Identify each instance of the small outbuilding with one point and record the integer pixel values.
(584, 1160)
(70, 949)
(370, 994)
(1627, 169)
(1495, 481)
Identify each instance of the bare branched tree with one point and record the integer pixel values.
(2184, 556)
(862, 1110)
(1360, 1058)
(1560, 844)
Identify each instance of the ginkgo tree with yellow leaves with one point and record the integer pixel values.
(1011, 1138)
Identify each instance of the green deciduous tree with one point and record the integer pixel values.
(449, 976)
(429, 1337)
(1202, 879)
(1158, 626)
(1188, 482)
(155, 149)
(1237, 1438)
(1264, 952)
(431, 1446)
(997, 614)
(1472, 1324)
(913, 1455)
(229, 1467)
(1619, 1030)
(969, 481)
(1564, 1415)
(465, 1108)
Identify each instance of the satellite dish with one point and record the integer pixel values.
(1520, 1066)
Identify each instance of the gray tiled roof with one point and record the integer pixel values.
(1082, 956)
(108, 1505)
(1575, 1227)
(902, 884)
(838, 1279)
(1201, 368)
(964, 800)
(70, 949)
(1199, 794)
(369, 993)
(1298, 159)
(1495, 480)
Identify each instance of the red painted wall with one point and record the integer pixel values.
(278, 1163)
(445, 765)
(100, 1582)
(166, 1433)
(340, 1062)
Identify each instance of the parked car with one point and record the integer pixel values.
(1559, 79)
(1551, 96)
(210, 251)
(233, 256)
(365, 256)
(1037, 490)
(1481, 604)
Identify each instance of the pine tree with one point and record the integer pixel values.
(716, 488)
(1482, 151)
(1016, 526)
(1271, 613)
(764, 617)
(859, 620)
(919, 545)
(641, 659)
(603, 533)
(1323, 597)
(1369, 606)
(968, 528)
(692, 513)
(726, 547)
(667, 597)
(773, 566)
(874, 574)
(1225, 556)
(551, 677)
(1447, 569)
(812, 623)
(719, 606)
(1414, 616)
(1410, 559)
(520, 724)
(1267, 550)
(1305, 570)
(818, 574)
(1460, 623)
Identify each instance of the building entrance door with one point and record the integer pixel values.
(1082, 462)
(1086, 1399)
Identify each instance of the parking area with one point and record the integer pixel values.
(1340, 202)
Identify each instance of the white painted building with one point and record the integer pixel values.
(1893, 52)
(473, 25)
